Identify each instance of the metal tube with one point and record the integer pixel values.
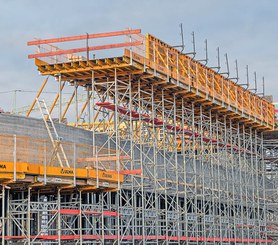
(76, 104)
(3, 215)
(80, 217)
(44, 163)
(15, 160)
(79, 50)
(89, 107)
(82, 37)
(116, 127)
(155, 168)
(59, 216)
(60, 98)
(28, 226)
(132, 139)
(9, 227)
(141, 137)
(74, 164)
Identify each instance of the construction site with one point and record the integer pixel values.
(162, 150)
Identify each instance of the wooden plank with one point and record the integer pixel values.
(87, 188)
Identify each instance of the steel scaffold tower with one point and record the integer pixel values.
(270, 157)
(195, 136)
(201, 191)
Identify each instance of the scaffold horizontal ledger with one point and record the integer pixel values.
(168, 151)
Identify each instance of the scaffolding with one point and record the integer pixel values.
(270, 158)
(189, 141)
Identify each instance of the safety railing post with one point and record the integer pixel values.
(14, 155)
(74, 164)
(44, 163)
(3, 216)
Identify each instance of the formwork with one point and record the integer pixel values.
(184, 142)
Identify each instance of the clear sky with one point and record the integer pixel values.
(245, 29)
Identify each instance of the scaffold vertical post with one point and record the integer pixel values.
(76, 103)
(44, 162)
(80, 218)
(60, 97)
(15, 156)
(3, 215)
(74, 165)
(28, 225)
(9, 227)
(89, 97)
(59, 224)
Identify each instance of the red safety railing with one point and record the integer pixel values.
(58, 55)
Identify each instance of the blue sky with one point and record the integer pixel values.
(245, 29)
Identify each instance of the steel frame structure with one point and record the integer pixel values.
(195, 191)
(203, 173)
(270, 158)
(191, 191)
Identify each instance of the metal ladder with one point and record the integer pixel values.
(53, 135)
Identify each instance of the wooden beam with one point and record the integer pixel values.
(170, 86)
(110, 190)
(200, 100)
(183, 92)
(87, 188)
(207, 103)
(190, 96)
